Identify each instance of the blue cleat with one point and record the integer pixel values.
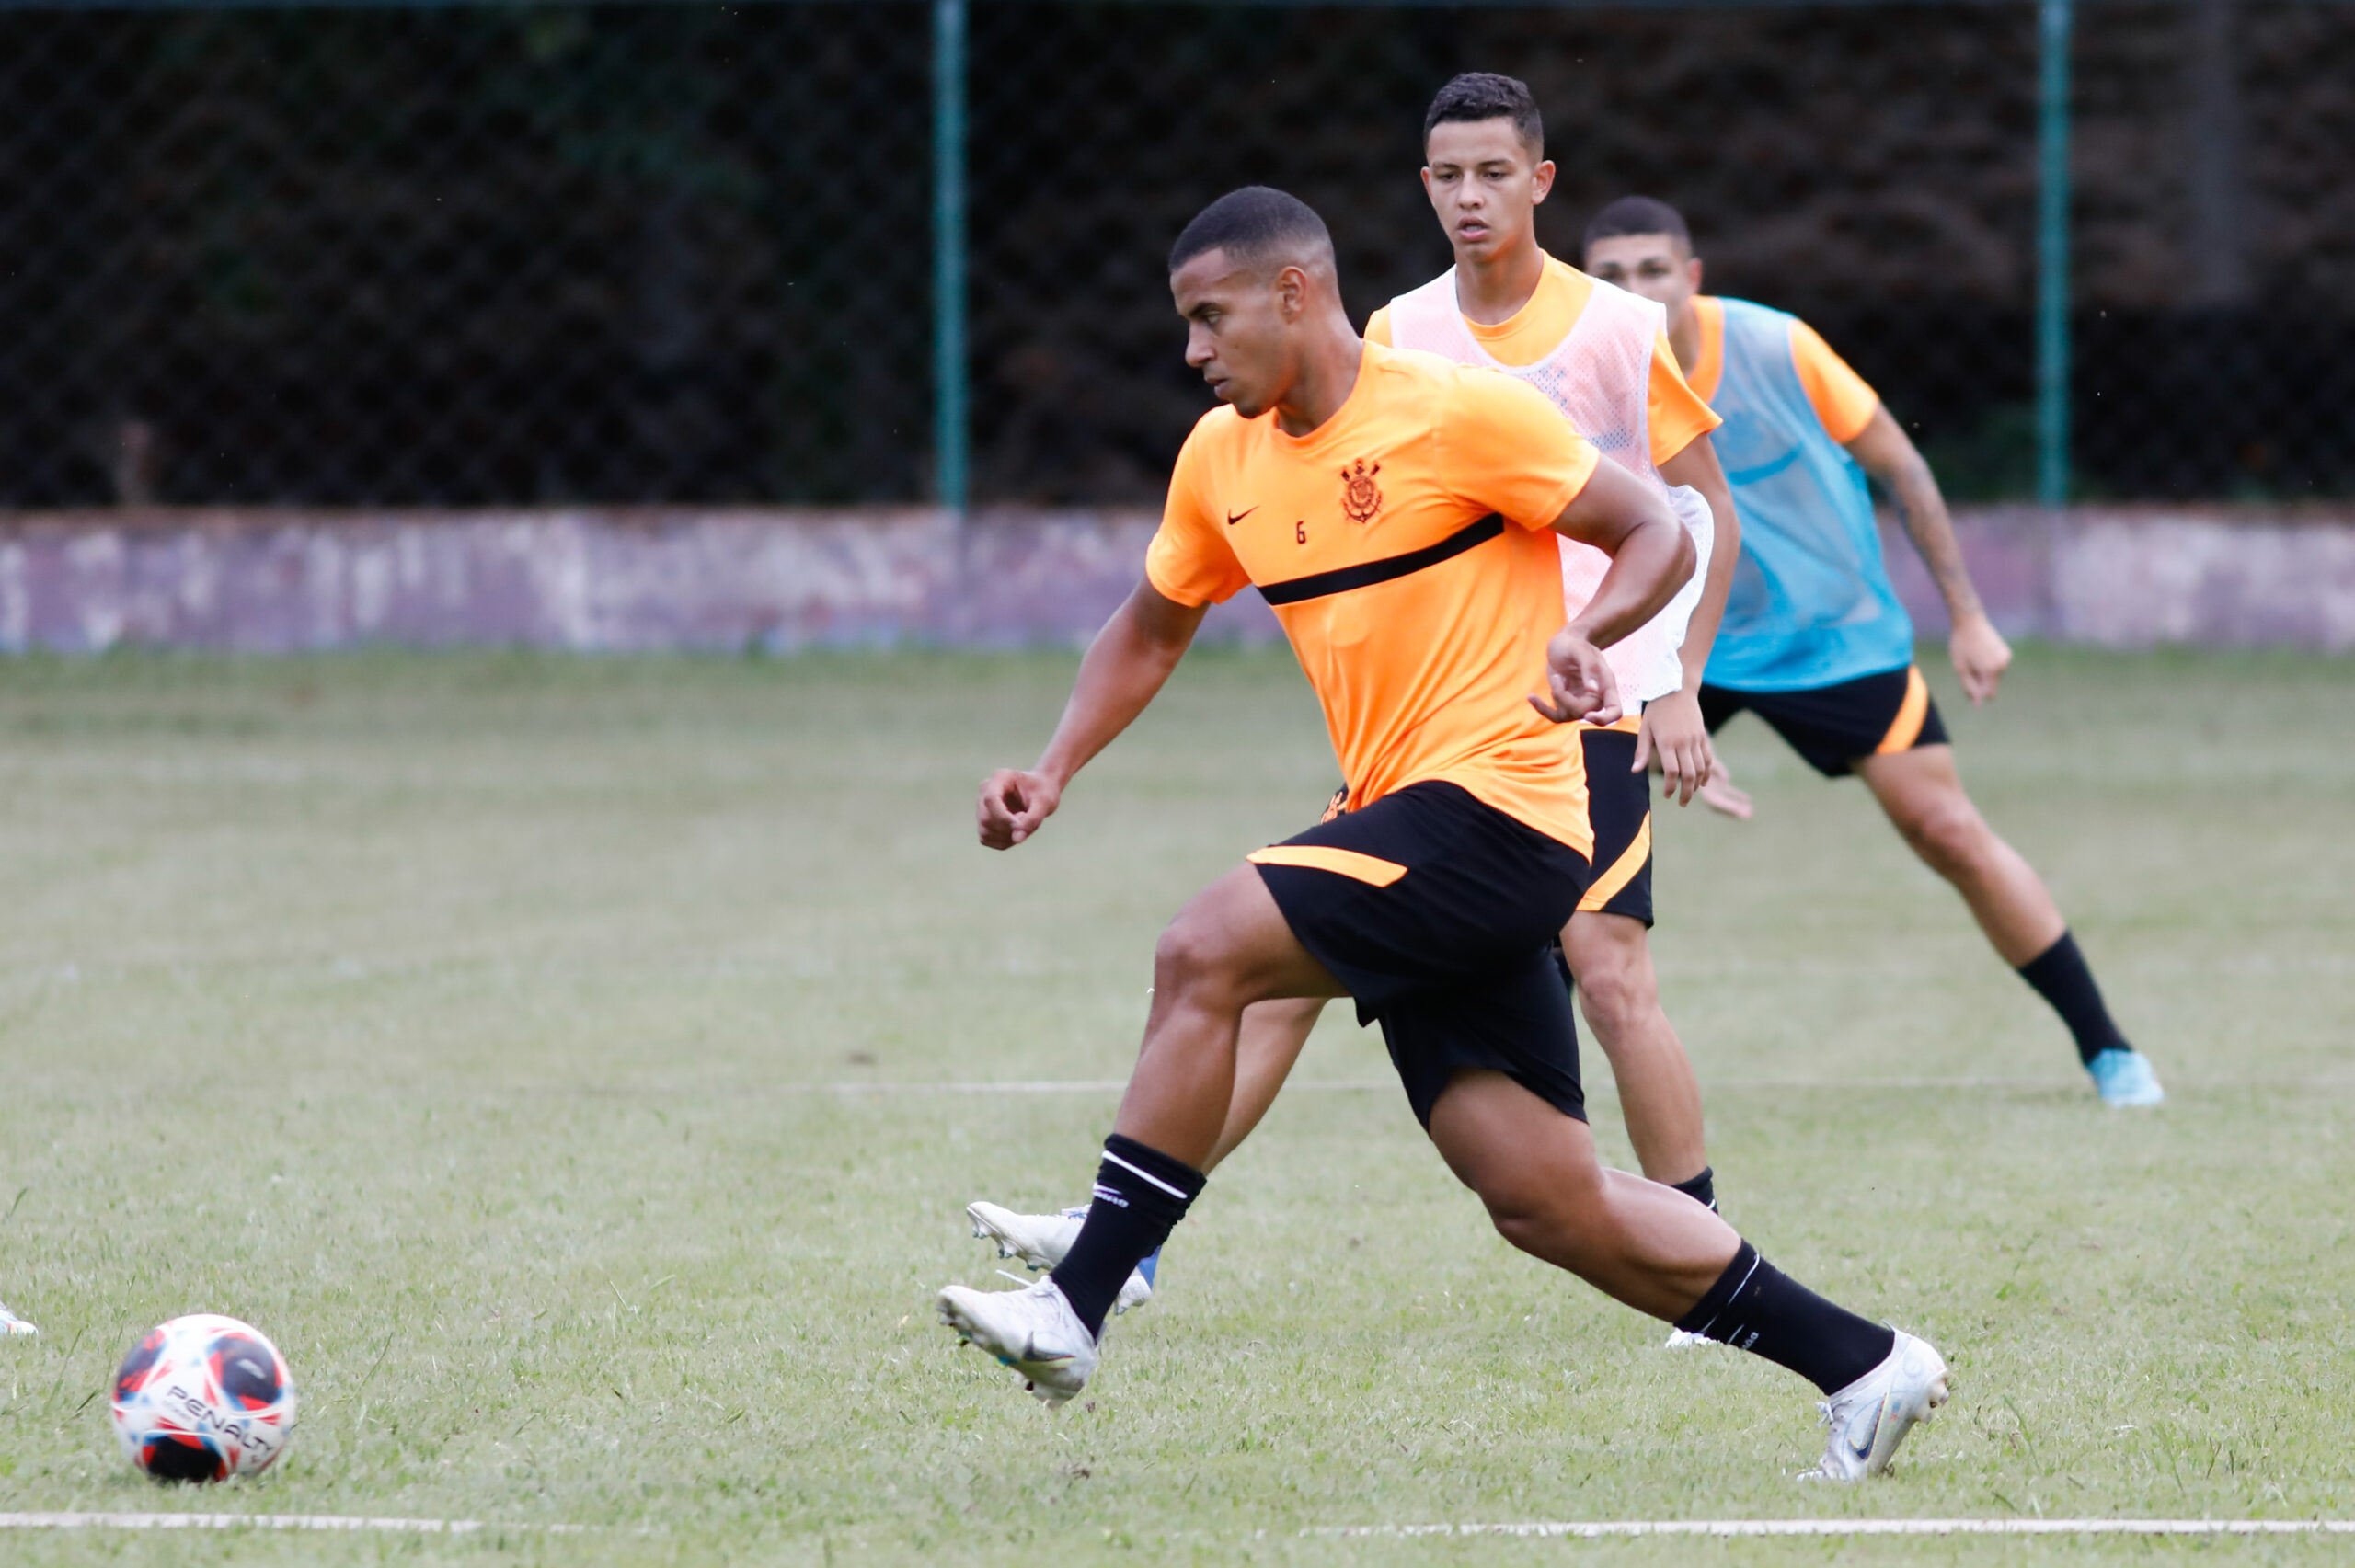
(2125, 1079)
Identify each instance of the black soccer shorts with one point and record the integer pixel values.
(1619, 809)
(1833, 726)
(1440, 914)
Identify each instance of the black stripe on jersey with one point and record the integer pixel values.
(1367, 573)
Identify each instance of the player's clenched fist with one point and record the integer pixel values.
(1579, 682)
(1980, 656)
(1013, 804)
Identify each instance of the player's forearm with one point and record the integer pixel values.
(1648, 564)
(1124, 669)
(1923, 511)
(1630, 521)
(1885, 451)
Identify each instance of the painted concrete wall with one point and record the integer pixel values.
(620, 581)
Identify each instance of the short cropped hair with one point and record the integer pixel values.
(1254, 225)
(1483, 94)
(1639, 215)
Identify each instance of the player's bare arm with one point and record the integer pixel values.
(1980, 654)
(1125, 667)
(1651, 557)
(1673, 732)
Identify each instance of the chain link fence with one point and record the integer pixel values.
(505, 253)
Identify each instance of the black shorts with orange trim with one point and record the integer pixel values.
(1833, 725)
(1441, 914)
(1619, 809)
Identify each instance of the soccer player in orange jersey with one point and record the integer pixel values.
(1400, 513)
(1602, 356)
(1814, 641)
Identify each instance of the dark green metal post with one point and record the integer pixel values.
(2056, 23)
(951, 397)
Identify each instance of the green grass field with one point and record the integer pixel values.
(556, 1058)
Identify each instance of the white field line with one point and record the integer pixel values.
(1595, 1530)
(233, 1522)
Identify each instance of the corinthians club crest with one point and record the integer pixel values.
(1361, 498)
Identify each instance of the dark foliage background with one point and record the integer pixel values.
(681, 252)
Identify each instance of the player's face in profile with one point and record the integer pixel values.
(1655, 265)
(1485, 183)
(1238, 329)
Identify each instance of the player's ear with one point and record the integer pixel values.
(1693, 272)
(1291, 291)
(1541, 181)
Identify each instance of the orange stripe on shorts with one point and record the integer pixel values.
(1365, 868)
(1907, 726)
(1605, 887)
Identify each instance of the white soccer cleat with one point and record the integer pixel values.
(1033, 1330)
(1870, 1417)
(12, 1325)
(1040, 1241)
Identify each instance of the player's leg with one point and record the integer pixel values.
(1608, 945)
(1649, 1247)
(1535, 1171)
(1228, 948)
(1885, 729)
(1921, 791)
(1270, 1040)
(1492, 1073)
(1922, 794)
(1266, 1045)
(1273, 1034)
(1658, 1097)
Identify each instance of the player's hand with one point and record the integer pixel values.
(1720, 795)
(1012, 806)
(1579, 682)
(1675, 740)
(1980, 656)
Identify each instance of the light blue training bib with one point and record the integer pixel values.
(1811, 603)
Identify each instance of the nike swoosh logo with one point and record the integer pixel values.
(1030, 1353)
(1863, 1450)
(1234, 517)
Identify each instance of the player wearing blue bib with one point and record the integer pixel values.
(1814, 641)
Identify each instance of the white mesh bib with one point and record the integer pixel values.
(1598, 376)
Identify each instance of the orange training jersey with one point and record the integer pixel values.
(1841, 397)
(1679, 413)
(1405, 544)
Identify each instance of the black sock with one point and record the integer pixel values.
(1141, 1194)
(2060, 977)
(1701, 1189)
(1756, 1306)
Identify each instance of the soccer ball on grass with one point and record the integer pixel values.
(204, 1398)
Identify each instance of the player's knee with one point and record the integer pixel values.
(1617, 990)
(1542, 1218)
(1194, 955)
(1949, 835)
